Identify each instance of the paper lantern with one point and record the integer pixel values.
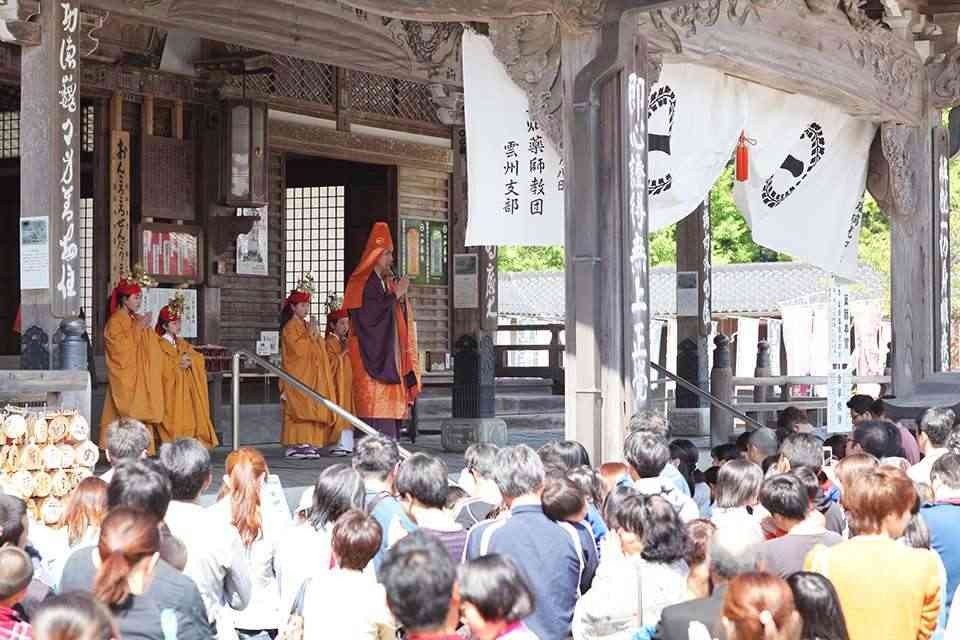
(244, 172)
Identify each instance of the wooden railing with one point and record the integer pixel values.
(554, 369)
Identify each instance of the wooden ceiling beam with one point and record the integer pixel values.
(841, 57)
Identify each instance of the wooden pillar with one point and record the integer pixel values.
(941, 247)
(606, 79)
(721, 386)
(50, 176)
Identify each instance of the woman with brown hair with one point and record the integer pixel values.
(85, 511)
(241, 505)
(74, 616)
(759, 606)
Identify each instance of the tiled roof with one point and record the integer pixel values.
(759, 288)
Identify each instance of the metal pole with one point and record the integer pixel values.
(235, 396)
(712, 399)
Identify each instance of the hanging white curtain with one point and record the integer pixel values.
(797, 329)
(748, 335)
(808, 171)
(695, 117)
(515, 176)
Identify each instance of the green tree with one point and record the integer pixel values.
(530, 258)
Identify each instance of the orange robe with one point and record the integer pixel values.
(341, 373)
(304, 354)
(134, 372)
(186, 405)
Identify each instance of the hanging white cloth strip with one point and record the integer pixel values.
(514, 175)
(695, 117)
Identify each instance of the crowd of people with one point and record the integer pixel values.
(784, 536)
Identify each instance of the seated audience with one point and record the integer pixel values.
(697, 557)
(307, 547)
(819, 607)
(647, 454)
(737, 495)
(16, 572)
(420, 581)
(347, 602)
(652, 422)
(495, 599)
(477, 479)
(731, 554)
(790, 507)
(421, 485)
(759, 606)
(261, 532)
(128, 440)
(547, 554)
(804, 450)
(638, 577)
(881, 584)
(14, 531)
(141, 486)
(75, 616)
(214, 551)
(936, 426)
(761, 444)
(376, 459)
(942, 518)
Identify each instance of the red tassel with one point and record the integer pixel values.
(743, 159)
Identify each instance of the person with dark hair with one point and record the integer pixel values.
(700, 532)
(377, 459)
(936, 427)
(804, 450)
(737, 494)
(647, 455)
(724, 453)
(455, 496)
(420, 581)
(761, 444)
(942, 518)
(347, 602)
(495, 599)
(819, 607)
(589, 482)
(860, 406)
(789, 421)
(901, 584)
(791, 509)
(422, 486)
(685, 456)
(128, 440)
(642, 571)
(759, 606)
(550, 555)
(306, 548)
(875, 438)
(144, 485)
(215, 553)
(652, 422)
(838, 446)
(563, 501)
(75, 616)
(16, 573)
(743, 443)
(134, 359)
(308, 426)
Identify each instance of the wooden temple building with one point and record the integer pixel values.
(179, 133)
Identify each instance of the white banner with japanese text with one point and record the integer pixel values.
(515, 176)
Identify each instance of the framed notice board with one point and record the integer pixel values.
(423, 251)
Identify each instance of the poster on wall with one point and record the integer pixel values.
(466, 281)
(424, 251)
(252, 259)
(35, 253)
(437, 239)
(171, 253)
(158, 297)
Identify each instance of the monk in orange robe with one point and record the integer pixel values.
(186, 405)
(382, 342)
(338, 327)
(134, 362)
(307, 425)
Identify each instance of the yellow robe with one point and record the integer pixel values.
(186, 405)
(304, 354)
(134, 373)
(342, 376)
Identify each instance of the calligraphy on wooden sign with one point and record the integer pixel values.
(119, 204)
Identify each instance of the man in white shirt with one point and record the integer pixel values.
(936, 425)
(127, 439)
(215, 552)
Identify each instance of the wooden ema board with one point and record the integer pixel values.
(167, 178)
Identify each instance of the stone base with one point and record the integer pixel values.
(689, 423)
(456, 434)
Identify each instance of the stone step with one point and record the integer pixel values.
(435, 406)
(515, 422)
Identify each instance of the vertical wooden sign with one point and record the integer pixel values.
(119, 204)
(61, 25)
(941, 249)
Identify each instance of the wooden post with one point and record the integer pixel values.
(721, 386)
(178, 119)
(941, 246)
(761, 392)
(50, 172)
(148, 115)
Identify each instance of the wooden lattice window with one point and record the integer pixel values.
(87, 128)
(9, 134)
(86, 260)
(394, 98)
(291, 78)
(314, 222)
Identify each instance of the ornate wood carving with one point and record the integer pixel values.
(529, 47)
(830, 50)
(945, 81)
(575, 14)
(15, 25)
(303, 138)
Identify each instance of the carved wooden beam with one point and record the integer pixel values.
(945, 81)
(576, 14)
(320, 30)
(15, 25)
(816, 48)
